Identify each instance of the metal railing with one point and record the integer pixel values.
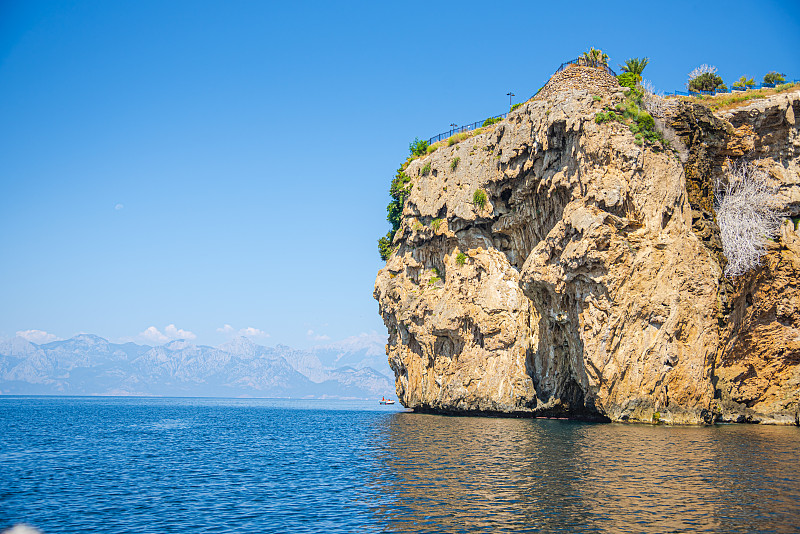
(731, 90)
(466, 128)
(583, 62)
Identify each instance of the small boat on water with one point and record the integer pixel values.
(386, 401)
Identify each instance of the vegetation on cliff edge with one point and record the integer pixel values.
(399, 190)
(631, 112)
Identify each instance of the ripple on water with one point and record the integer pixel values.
(231, 465)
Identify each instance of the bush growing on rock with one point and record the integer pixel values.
(399, 190)
(479, 198)
(461, 258)
(645, 121)
(490, 121)
(639, 121)
(385, 245)
(418, 147)
(748, 213)
(627, 79)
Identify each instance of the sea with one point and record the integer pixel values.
(160, 465)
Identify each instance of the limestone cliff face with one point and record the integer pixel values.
(590, 283)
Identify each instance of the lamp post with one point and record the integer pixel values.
(510, 94)
(453, 126)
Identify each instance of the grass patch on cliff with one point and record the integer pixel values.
(454, 163)
(461, 258)
(435, 278)
(457, 138)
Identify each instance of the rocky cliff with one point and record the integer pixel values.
(589, 283)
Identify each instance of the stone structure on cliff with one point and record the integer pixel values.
(590, 284)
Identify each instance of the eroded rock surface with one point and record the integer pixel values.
(585, 286)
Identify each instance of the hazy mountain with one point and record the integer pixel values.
(365, 350)
(90, 365)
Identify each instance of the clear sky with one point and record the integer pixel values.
(187, 165)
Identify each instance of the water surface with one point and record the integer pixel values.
(230, 465)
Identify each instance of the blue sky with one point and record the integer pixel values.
(202, 164)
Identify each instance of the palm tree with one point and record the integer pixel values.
(635, 66)
(594, 58)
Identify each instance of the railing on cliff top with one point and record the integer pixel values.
(583, 62)
(478, 124)
(731, 90)
(466, 128)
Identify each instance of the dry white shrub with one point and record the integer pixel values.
(655, 104)
(748, 213)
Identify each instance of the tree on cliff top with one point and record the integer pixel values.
(744, 82)
(773, 77)
(705, 78)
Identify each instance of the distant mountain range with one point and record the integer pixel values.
(90, 365)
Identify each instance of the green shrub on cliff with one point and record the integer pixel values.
(461, 258)
(605, 116)
(418, 147)
(479, 198)
(426, 169)
(515, 106)
(399, 190)
(645, 121)
(490, 121)
(454, 163)
(627, 79)
(435, 278)
(385, 245)
(631, 112)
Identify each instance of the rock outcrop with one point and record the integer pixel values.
(589, 283)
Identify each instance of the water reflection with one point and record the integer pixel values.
(459, 474)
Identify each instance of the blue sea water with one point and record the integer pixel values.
(230, 465)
